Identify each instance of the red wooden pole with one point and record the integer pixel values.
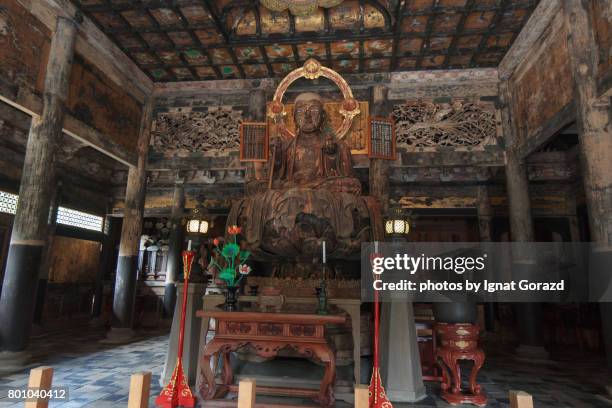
(177, 392)
(378, 397)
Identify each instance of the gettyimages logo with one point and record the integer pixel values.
(412, 265)
(484, 272)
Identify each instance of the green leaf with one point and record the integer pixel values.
(227, 274)
(244, 255)
(230, 251)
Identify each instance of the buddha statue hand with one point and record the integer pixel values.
(330, 146)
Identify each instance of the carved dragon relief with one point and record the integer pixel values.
(212, 131)
(457, 126)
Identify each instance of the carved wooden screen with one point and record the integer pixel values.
(254, 142)
(381, 139)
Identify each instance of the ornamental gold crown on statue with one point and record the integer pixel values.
(312, 194)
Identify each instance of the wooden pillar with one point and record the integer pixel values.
(111, 225)
(529, 315)
(485, 214)
(485, 217)
(37, 183)
(379, 169)
(593, 122)
(43, 276)
(131, 229)
(177, 234)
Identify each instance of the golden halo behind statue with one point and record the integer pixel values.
(312, 69)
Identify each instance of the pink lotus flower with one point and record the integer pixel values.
(244, 269)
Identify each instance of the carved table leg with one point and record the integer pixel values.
(326, 395)
(456, 370)
(208, 385)
(479, 359)
(227, 374)
(443, 360)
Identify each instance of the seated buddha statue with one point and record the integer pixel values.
(314, 196)
(314, 158)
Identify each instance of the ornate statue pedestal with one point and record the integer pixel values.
(459, 342)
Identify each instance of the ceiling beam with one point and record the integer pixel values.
(95, 46)
(539, 20)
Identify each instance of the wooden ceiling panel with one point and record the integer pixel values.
(346, 66)
(157, 40)
(166, 17)
(196, 15)
(209, 37)
(480, 20)
(248, 54)
(279, 52)
(447, 22)
(343, 49)
(310, 50)
(137, 18)
(255, 70)
(179, 40)
(410, 46)
(378, 48)
(312, 23)
(415, 24)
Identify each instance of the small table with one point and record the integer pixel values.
(295, 326)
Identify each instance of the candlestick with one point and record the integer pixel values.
(323, 251)
(189, 245)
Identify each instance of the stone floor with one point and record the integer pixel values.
(98, 375)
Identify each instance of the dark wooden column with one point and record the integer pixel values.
(529, 315)
(43, 276)
(111, 226)
(379, 169)
(485, 216)
(131, 229)
(177, 234)
(593, 122)
(37, 184)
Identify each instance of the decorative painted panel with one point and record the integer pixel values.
(456, 126)
(211, 131)
(24, 47)
(544, 85)
(98, 102)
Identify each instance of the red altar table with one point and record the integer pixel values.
(295, 326)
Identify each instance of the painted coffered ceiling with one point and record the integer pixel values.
(184, 40)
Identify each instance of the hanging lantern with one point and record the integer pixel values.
(198, 222)
(398, 222)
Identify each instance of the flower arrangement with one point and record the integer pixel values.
(230, 259)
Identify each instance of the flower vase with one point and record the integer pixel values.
(231, 298)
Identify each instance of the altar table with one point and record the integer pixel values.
(351, 306)
(297, 327)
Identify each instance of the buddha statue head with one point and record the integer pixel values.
(308, 114)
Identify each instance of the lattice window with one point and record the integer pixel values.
(254, 141)
(8, 202)
(381, 141)
(74, 218)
